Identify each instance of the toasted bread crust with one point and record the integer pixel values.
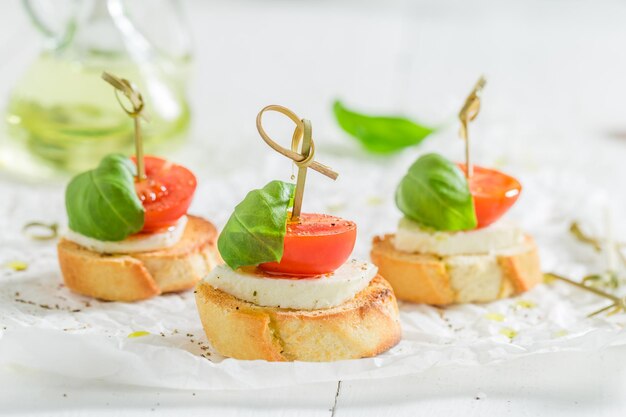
(132, 277)
(362, 327)
(523, 270)
(424, 278)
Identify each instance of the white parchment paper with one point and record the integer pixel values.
(44, 326)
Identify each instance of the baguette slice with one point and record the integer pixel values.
(444, 280)
(362, 327)
(137, 276)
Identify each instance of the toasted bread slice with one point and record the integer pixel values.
(137, 276)
(444, 280)
(362, 327)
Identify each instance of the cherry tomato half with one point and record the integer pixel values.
(315, 244)
(494, 193)
(166, 194)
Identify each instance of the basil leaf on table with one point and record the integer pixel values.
(255, 232)
(436, 194)
(102, 203)
(380, 134)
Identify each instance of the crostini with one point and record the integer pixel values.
(288, 290)
(130, 239)
(450, 246)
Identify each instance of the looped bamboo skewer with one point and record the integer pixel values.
(136, 100)
(293, 155)
(302, 139)
(129, 90)
(468, 112)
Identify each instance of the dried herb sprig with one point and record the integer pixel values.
(578, 233)
(618, 304)
(609, 279)
(41, 231)
(584, 238)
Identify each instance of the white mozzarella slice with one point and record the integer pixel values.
(324, 291)
(141, 242)
(411, 237)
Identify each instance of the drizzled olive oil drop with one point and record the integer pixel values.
(62, 114)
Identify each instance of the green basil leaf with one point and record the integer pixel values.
(255, 232)
(436, 194)
(380, 134)
(102, 203)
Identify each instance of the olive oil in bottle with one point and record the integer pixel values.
(63, 114)
(61, 117)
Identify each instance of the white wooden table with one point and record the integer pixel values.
(551, 384)
(554, 67)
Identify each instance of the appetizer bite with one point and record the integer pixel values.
(129, 236)
(288, 290)
(450, 246)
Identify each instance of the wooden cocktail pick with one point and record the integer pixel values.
(302, 139)
(137, 111)
(468, 112)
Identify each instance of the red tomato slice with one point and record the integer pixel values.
(494, 193)
(316, 244)
(166, 194)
